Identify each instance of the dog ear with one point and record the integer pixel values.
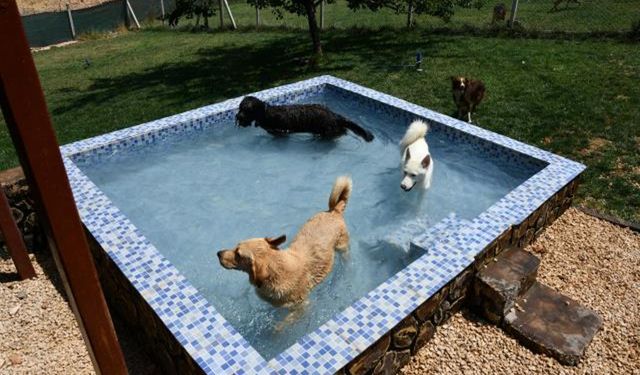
(408, 154)
(276, 241)
(426, 161)
(257, 273)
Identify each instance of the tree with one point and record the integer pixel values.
(192, 8)
(299, 7)
(439, 8)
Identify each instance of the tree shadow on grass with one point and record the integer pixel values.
(389, 49)
(215, 73)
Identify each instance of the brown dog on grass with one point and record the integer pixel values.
(284, 278)
(467, 94)
(499, 13)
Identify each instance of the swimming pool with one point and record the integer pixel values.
(162, 197)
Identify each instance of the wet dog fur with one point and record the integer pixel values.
(281, 120)
(417, 166)
(284, 278)
(467, 94)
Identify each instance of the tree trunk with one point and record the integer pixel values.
(410, 15)
(313, 27)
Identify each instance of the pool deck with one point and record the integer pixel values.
(207, 337)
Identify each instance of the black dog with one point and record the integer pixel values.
(280, 120)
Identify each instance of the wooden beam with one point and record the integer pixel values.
(27, 118)
(13, 239)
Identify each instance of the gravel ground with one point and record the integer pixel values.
(585, 258)
(38, 331)
(589, 260)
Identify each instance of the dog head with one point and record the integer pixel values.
(251, 109)
(413, 168)
(252, 256)
(458, 83)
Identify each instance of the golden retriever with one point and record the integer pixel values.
(284, 278)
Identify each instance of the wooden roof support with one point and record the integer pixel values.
(14, 241)
(25, 112)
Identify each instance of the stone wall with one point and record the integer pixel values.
(22, 206)
(394, 350)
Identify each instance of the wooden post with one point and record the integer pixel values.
(410, 15)
(514, 10)
(257, 16)
(162, 10)
(71, 25)
(25, 113)
(135, 19)
(233, 21)
(13, 239)
(321, 14)
(221, 15)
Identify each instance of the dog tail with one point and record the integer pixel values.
(340, 194)
(358, 130)
(418, 129)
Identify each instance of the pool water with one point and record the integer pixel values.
(195, 194)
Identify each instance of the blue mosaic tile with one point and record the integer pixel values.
(214, 344)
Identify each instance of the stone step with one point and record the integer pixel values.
(498, 285)
(551, 323)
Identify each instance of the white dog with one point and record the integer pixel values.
(417, 165)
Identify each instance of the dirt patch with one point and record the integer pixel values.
(596, 145)
(41, 6)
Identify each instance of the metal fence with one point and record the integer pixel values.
(567, 16)
(575, 16)
(43, 29)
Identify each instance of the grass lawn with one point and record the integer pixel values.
(580, 99)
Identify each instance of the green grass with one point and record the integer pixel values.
(556, 94)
